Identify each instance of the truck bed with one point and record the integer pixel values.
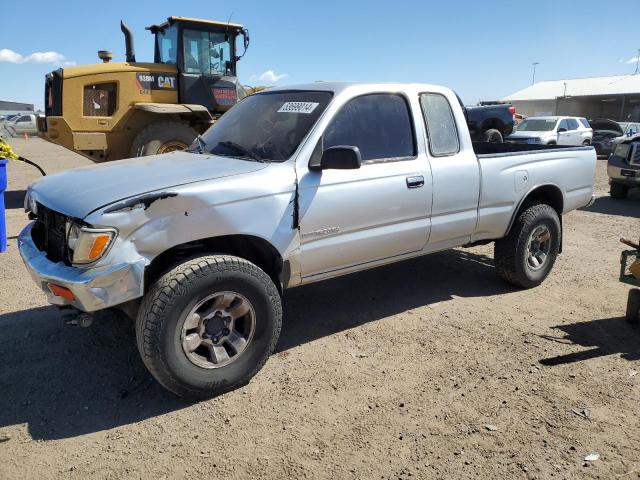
(484, 149)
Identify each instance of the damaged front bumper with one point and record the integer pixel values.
(93, 288)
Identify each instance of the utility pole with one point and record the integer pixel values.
(533, 78)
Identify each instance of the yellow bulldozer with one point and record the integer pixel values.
(114, 110)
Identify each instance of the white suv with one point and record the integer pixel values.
(553, 131)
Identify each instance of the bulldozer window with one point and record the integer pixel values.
(207, 52)
(168, 45)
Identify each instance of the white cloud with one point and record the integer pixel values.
(10, 56)
(632, 60)
(270, 76)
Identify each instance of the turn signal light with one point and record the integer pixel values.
(63, 292)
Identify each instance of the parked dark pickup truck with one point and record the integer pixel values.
(490, 123)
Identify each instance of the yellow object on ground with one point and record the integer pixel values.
(635, 269)
(6, 151)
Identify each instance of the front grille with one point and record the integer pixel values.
(49, 234)
(634, 159)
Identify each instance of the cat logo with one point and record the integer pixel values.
(166, 82)
(153, 81)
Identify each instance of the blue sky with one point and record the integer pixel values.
(483, 50)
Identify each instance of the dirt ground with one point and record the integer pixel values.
(432, 368)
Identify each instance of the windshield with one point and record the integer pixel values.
(167, 44)
(537, 125)
(207, 52)
(267, 126)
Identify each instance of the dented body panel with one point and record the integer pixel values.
(319, 223)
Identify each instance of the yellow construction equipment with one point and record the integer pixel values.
(114, 110)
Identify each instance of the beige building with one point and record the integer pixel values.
(616, 98)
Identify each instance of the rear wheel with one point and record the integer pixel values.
(633, 306)
(586, 143)
(618, 191)
(208, 325)
(493, 136)
(162, 137)
(526, 255)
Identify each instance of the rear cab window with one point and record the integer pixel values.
(442, 130)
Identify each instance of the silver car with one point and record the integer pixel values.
(23, 125)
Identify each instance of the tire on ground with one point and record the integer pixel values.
(492, 135)
(511, 252)
(172, 297)
(618, 191)
(633, 306)
(153, 138)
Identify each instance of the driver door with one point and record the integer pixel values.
(564, 138)
(350, 218)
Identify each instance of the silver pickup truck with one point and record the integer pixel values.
(291, 186)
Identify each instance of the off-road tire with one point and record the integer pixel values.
(170, 299)
(151, 139)
(617, 191)
(510, 252)
(492, 136)
(633, 306)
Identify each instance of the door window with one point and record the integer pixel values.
(563, 124)
(441, 126)
(571, 122)
(167, 41)
(378, 124)
(207, 52)
(24, 119)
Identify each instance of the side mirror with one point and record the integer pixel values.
(562, 130)
(342, 157)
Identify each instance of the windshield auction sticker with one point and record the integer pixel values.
(298, 107)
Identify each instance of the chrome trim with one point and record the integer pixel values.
(94, 288)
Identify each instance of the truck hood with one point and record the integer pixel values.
(80, 191)
(606, 125)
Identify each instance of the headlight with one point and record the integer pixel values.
(86, 244)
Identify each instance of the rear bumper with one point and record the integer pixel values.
(628, 175)
(93, 288)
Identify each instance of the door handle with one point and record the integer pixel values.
(415, 182)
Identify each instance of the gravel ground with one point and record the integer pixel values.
(431, 368)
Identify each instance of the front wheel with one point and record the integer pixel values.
(209, 325)
(526, 255)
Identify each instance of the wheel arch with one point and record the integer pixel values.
(255, 249)
(495, 123)
(549, 194)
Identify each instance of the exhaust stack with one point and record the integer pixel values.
(128, 42)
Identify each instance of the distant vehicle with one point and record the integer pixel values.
(553, 131)
(608, 134)
(24, 124)
(623, 168)
(491, 123)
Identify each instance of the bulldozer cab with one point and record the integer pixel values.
(205, 54)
